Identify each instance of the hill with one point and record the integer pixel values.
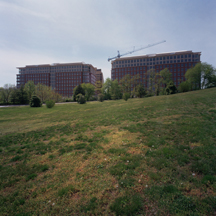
(148, 156)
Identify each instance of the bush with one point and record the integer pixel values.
(50, 103)
(184, 87)
(101, 97)
(80, 99)
(126, 96)
(78, 90)
(35, 101)
(171, 88)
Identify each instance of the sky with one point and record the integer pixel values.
(34, 32)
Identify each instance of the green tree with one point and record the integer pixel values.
(43, 92)
(115, 90)
(6, 92)
(89, 90)
(151, 81)
(35, 101)
(208, 75)
(140, 91)
(106, 88)
(19, 96)
(126, 84)
(193, 76)
(98, 87)
(184, 86)
(30, 88)
(166, 76)
(135, 81)
(78, 90)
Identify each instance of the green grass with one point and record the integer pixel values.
(150, 156)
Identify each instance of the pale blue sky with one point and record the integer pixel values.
(61, 31)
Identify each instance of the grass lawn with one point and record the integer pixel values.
(149, 156)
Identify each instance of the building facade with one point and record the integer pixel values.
(176, 62)
(61, 77)
(99, 76)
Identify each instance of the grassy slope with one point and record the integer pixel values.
(143, 156)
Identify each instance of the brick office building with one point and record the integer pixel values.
(61, 77)
(99, 76)
(176, 62)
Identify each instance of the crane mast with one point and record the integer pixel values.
(135, 50)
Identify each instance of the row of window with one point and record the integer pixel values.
(148, 59)
(153, 63)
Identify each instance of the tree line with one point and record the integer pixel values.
(9, 94)
(201, 76)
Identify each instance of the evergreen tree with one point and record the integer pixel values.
(78, 90)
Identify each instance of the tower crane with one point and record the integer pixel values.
(135, 50)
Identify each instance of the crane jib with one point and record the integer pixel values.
(135, 50)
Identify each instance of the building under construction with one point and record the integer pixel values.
(176, 62)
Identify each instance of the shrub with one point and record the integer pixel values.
(80, 99)
(78, 90)
(50, 103)
(184, 87)
(126, 96)
(171, 88)
(35, 101)
(101, 97)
